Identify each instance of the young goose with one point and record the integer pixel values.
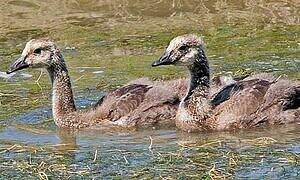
(133, 105)
(257, 100)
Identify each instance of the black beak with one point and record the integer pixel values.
(18, 65)
(163, 60)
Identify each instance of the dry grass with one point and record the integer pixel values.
(210, 160)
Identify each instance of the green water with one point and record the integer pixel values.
(107, 44)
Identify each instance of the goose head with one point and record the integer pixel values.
(185, 50)
(38, 53)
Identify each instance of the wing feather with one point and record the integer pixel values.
(239, 101)
(124, 100)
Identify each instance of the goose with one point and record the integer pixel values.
(142, 103)
(258, 100)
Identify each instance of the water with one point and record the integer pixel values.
(107, 44)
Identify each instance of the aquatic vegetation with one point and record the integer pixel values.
(121, 39)
(210, 159)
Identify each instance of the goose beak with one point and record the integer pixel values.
(163, 60)
(18, 65)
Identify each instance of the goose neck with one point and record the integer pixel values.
(62, 94)
(199, 76)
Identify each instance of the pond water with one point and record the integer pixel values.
(108, 43)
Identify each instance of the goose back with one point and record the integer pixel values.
(255, 102)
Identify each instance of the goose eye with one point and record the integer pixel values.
(37, 51)
(183, 48)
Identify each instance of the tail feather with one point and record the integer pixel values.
(293, 100)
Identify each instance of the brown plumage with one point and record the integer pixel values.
(254, 101)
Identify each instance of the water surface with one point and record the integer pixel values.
(107, 44)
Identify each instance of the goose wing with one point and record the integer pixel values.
(281, 104)
(234, 103)
(122, 101)
(232, 89)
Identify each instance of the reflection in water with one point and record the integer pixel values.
(67, 141)
(108, 43)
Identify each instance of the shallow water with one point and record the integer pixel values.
(107, 44)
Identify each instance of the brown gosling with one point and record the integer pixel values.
(142, 103)
(255, 101)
